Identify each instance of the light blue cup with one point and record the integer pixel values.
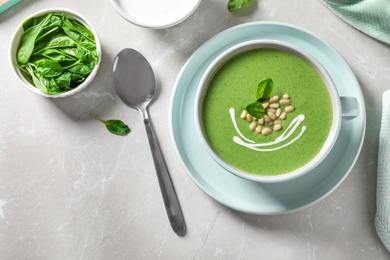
(344, 108)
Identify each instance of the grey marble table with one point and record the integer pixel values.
(71, 190)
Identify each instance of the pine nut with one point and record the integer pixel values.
(275, 113)
(284, 102)
(266, 131)
(252, 126)
(243, 114)
(271, 115)
(278, 112)
(289, 109)
(261, 121)
(283, 116)
(277, 127)
(274, 99)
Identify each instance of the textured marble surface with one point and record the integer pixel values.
(71, 190)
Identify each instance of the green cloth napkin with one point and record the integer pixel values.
(382, 217)
(373, 18)
(369, 16)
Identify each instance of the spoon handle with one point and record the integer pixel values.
(172, 205)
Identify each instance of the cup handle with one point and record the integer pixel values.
(349, 107)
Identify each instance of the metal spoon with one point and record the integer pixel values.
(135, 85)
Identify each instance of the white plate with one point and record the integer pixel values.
(156, 14)
(248, 196)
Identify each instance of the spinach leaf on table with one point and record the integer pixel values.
(114, 126)
(235, 5)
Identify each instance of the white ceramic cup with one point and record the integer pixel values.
(344, 108)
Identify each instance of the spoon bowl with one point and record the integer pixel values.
(135, 85)
(134, 79)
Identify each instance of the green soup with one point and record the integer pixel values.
(234, 86)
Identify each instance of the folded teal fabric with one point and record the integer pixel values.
(369, 16)
(382, 217)
(4, 5)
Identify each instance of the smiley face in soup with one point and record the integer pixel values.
(297, 116)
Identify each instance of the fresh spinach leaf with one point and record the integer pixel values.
(86, 51)
(235, 5)
(53, 87)
(39, 82)
(73, 30)
(51, 27)
(60, 41)
(47, 34)
(64, 80)
(28, 41)
(48, 68)
(113, 125)
(82, 68)
(77, 78)
(57, 42)
(57, 55)
(31, 21)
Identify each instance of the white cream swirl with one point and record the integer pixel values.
(283, 137)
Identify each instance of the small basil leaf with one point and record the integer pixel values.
(264, 89)
(234, 5)
(256, 109)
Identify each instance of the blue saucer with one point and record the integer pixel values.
(248, 196)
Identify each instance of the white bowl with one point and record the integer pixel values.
(155, 14)
(14, 45)
(339, 105)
